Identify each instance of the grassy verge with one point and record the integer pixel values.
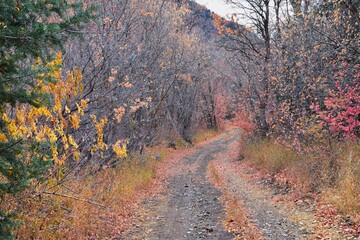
(336, 177)
(346, 179)
(98, 206)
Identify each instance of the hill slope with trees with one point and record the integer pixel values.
(89, 90)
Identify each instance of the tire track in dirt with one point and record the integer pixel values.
(273, 222)
(191, 207)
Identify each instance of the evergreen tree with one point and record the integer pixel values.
(29, 31)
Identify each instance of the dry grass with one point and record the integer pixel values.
(100, 205)
(237, 218)
(270, 155)
(112, 192)
(203, 135)
(337, 177)
(214, 176)
(345, 192)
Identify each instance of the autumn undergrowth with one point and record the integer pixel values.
(270, 155)
(96, 206)
(346, 191)
(336, 175)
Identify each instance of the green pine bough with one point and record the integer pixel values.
(29, 30)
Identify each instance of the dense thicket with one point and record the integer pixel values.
(297, 83)
(146, 72)
(142, 73)
(299, 68)
(29, 31)
(148, 68)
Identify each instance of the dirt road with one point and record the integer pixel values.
(191, 207)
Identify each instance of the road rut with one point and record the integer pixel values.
(191, 208)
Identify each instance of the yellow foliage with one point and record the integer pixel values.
(83, 103)
(36, 113)
(3, 137)
(76, 155)
(64, 140)
(11, 126)
(13, 130)
(72, 141)
(99, 131)
(20, 118)
(67, 110)
(54, 153)
(75, 120)
(119, 149)
(4, 117)
(60, 129)
(50, 123)
(50, 134)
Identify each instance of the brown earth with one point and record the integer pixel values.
(191, 207)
